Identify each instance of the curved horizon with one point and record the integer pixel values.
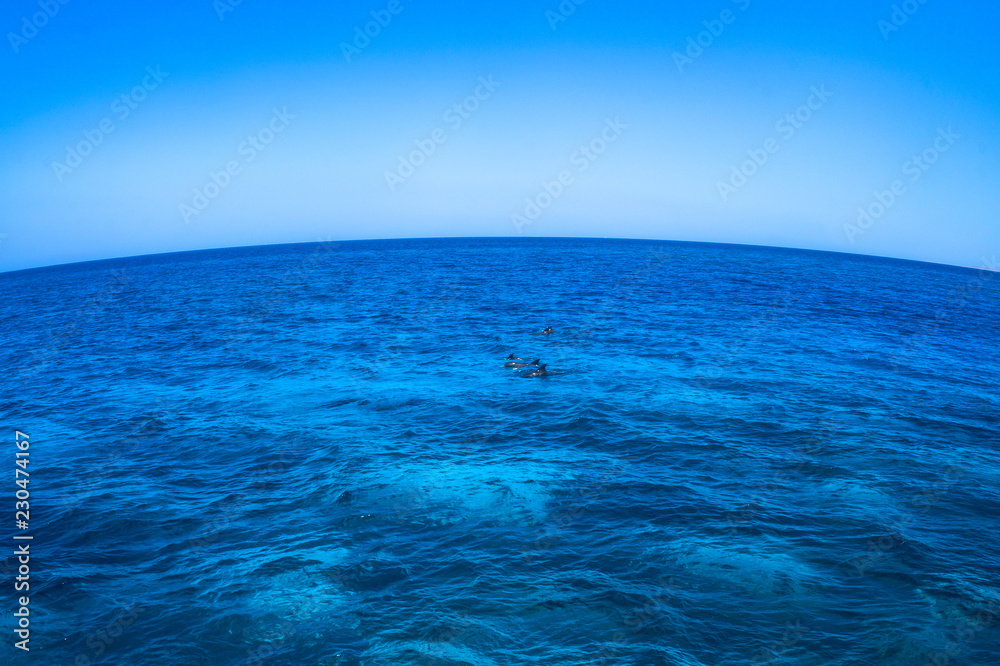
(988, 263)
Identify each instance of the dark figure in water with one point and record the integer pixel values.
(513, 364)
(548, 330)
(541, 372)
(513, 358)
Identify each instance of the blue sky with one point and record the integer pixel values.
(793, 124)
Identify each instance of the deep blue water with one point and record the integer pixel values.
(310, 454)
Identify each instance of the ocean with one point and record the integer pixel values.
(311, 454)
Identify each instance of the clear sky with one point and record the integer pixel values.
(771, 123)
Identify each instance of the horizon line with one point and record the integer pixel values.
(412, 238)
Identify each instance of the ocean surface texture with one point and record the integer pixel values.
(310, 454)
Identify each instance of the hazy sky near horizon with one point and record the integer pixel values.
(137, 128)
